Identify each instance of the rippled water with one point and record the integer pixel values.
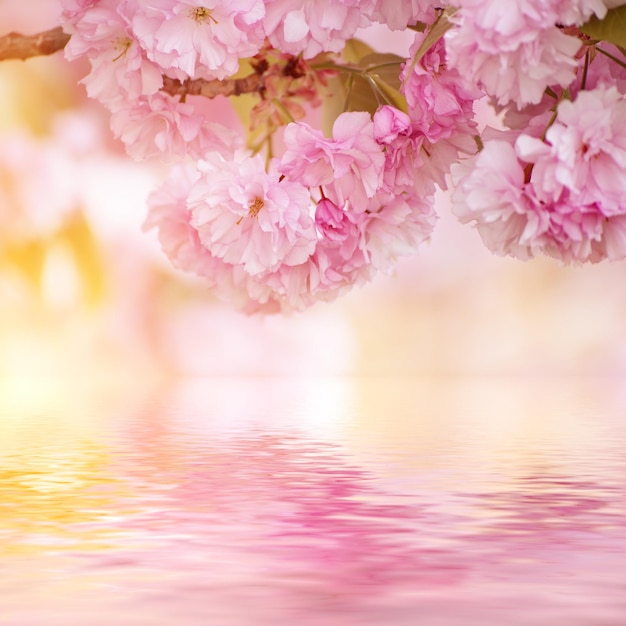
(248, 502)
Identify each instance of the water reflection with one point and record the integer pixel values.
(313, 501)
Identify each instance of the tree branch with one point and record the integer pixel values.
(16, 46)
(253, 83)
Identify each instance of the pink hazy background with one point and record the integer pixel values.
(84, 290)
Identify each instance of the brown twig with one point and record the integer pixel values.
(253, 83)
(16, 46)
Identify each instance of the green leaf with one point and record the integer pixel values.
(355, 50)
(333, 105)
(391, 95)
(612, 28)
(386, 66)
(368, 80)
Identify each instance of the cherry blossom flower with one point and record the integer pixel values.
(349, 165)
(120, 72)
(170, 215)
(578, 11)
(584, 151)
(248, 217)
(341, 245)
(389, 123)
(489, 192)
(312, 26)
(513, 49)
(515, 217)
(163, 127)
(396, 225)
(74, 9)
(340, 261)
(398, 14)
(404, 157)
(201, 38)
(440, 104)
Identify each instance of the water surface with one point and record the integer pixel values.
(245, 502)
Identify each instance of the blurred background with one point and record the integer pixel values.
(83, 291)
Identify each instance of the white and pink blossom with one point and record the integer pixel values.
(512, 49)
(440, 103)
(248, 217)
(396, 226)
(584, 151)
(514, 216)
(120, 71)
(489, 193)
(312, 26)
(398, 14)
(160, 126)
(349, 166)
(200, 38)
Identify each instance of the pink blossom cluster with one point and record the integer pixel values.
(320, 219)
(562, 196)
(552, 180)
(514, 49)
(300, 215)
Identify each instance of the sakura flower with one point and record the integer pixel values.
(163, 127)
(341, 243)
(72, 10)
(398, 14)
(168, 213)
(349, 165)
(120, 71)
(516, 217)
(312, 26)
(201, 38)
(331, 271)
(389, 123)
(334, 223)
(248, 217)
(584, 152)
(404, 157)
(573, 232)
(396, 225)
(490, 193)
(92, 24)
(579, 11)
(439, 103)
(513, 49)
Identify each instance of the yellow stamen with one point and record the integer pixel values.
(122, 44)
(255, 207)
(202, 14)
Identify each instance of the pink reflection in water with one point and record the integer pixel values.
(181, 522)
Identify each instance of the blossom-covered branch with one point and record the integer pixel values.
(17, 46)
(281, 214)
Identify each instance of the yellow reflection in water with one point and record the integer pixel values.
(56, 465)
